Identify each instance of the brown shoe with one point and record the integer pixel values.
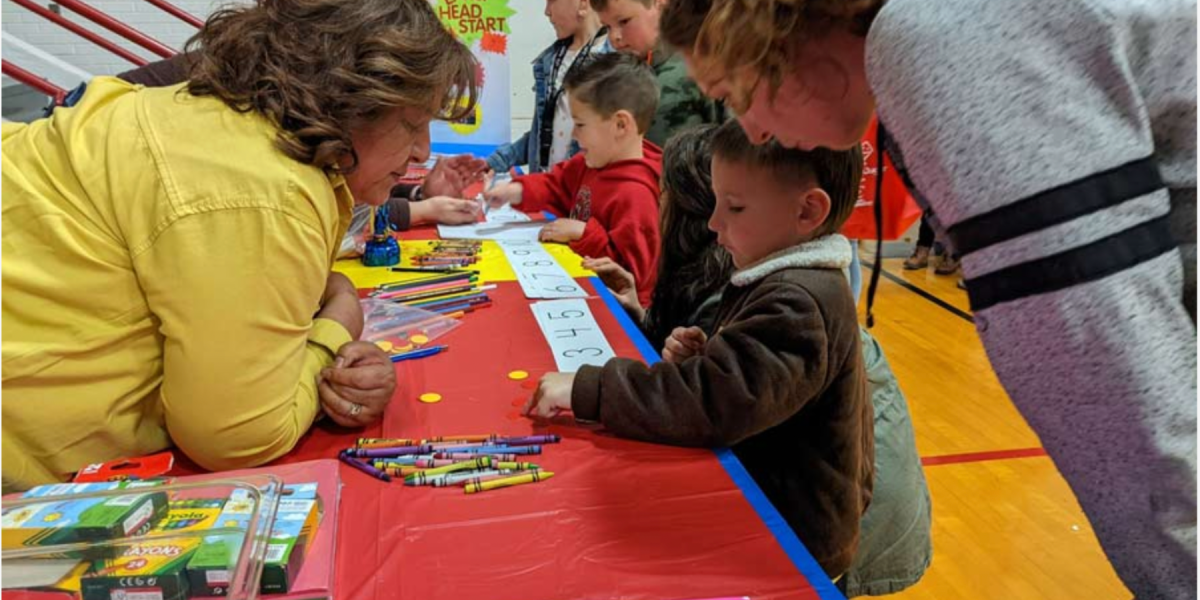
(948, 266)
(918, 260)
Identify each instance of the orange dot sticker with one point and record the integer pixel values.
(418, 339)
(519, 402)
(430, 398)
(518, 375)
(384, 345)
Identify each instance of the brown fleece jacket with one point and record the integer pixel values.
(781, 383)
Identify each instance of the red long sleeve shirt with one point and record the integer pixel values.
(619, 204)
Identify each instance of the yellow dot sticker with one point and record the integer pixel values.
(384, 345)
(418, 339)
(404, 348)
(518, 375)
(430, 398)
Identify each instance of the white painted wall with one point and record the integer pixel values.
(531, 33)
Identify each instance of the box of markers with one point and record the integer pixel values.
(154, 570)
(66, 521)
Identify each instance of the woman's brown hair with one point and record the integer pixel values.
(321, 68)
(758, 33)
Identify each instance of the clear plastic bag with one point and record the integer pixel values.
(397, 323)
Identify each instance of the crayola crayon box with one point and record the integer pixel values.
(70, 520)
(154, 570)
(210, 569)
(291, 537)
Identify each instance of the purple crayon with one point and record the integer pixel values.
(529, 440)
(365, 468)
(495, 449)
(460, 456)
(390, 452)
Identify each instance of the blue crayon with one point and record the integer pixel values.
(365, 468)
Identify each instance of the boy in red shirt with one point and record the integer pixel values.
(607, 195)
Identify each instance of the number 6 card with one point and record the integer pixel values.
(539, 274)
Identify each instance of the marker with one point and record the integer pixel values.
(530, 477)
(422, 353)
(365, 468)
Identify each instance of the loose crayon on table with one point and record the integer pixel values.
(516, 466)
(528, 477)
(528, 440)
(399, 461)
(467, 476)
(458, 456)
(387, 442)
(494, 449)
(459, 438)
(365, 468)
(482, 462)
(390, 452)
(402, 470)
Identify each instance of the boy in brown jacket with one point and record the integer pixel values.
(781, 382)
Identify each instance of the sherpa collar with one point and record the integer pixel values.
(826, 252)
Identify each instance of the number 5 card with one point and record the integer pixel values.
(572, 332)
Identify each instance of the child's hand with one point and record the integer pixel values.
(617, 279)
(446, 210)
(553, 395)
(562, 231)
(684, 343)
(358, 387)
(508, 193)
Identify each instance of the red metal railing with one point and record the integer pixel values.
(79, 30)
(178, 13)
(118, 27)
(42, 85)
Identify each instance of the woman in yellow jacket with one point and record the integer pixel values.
(167, 251)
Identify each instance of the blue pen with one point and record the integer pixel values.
(423, 352)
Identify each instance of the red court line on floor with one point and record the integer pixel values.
(950, 459)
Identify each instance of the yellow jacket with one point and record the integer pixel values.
(162, 263)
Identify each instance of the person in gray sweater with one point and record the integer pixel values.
(1055, 143)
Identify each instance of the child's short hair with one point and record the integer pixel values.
(615, 81)
(838, 172)
(600, 5)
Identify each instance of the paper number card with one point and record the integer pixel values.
(539, 274)
(572, 332)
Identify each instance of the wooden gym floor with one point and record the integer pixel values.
(1005, 524)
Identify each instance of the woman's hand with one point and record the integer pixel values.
(358, 387)
(445, 210)
(450, 176)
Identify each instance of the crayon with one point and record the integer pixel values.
(390, 452)
(529, 477)
(459, 438)
(528, 440)
(388, 442)
(401, 470)
(365, 468)
(468, 456)
(483, 462)
(468, 476)
(494, 449)
(516, 466)
(398, 461)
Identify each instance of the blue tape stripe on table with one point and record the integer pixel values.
(805, 563)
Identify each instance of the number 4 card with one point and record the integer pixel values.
(572, 332)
